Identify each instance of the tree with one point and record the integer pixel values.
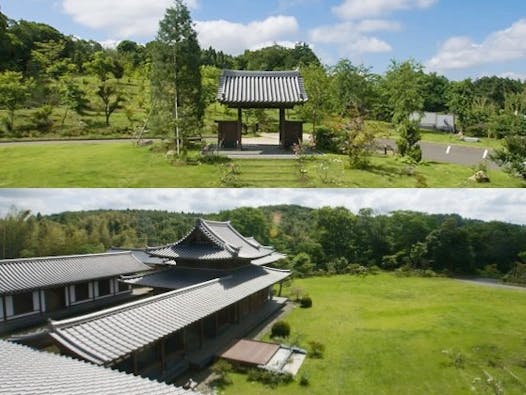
(449, 248)
(460, 96)
(317, 88)
(360, 141)
(513, 154)
(176, 76)
(435, 92)
(108, 90)
(403, 86)
(72, 97)
(352, 88)
(14, 91)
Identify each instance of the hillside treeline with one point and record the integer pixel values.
(326, 240)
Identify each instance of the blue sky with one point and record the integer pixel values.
(467, 38)
(491, 204)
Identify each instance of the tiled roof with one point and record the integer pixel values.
(18, 275)
(175, 278)
(267, 260)
(224, 242)
(112, 334)
(27, 371)
(270, 88)
(141, 254)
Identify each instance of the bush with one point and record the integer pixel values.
(41, 119)
(306, 302)
(357, 270)
(270, 378)
(329, 140)
(304, 380)
(316, 349)
(222, 369)
(280, 329)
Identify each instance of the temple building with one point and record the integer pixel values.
(260, 89)
(212, 288)
(35, 289)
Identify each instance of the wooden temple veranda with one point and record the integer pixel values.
(210, 288)
(260, 89)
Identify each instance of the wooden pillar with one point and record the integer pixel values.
(217, 324)
(201, 334)
(239, 126)
(135, 363)
(282, 125)
(280, 286)
(163, 355)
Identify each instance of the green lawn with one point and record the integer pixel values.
(124, 165)
(385, 129)
(389, 335)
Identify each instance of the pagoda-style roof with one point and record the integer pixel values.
(212, 240)
(27, 371)
(22, 275)
(108, 336)
(268, 89)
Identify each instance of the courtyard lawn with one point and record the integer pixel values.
(390, 335)
(125, 165)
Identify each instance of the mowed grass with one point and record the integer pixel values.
(390, 335)
(125, 165)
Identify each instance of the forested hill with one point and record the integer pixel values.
(316, 240)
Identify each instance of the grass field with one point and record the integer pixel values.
(390, 335)
(124, 165)
(385, 129)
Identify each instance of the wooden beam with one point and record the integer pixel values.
(282, 125)
(239, 126)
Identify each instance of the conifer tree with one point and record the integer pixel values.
(176, 77)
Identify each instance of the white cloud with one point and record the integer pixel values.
(110, 44)
(500, 46)
(234, 38)
(122, 19)
(351, 38)
(358, 9)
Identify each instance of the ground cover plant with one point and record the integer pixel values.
(385, 334)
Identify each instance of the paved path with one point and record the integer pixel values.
(491, 283)
(459, 154)
(52, 142)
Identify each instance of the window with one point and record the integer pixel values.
(123, 286)
(23, 303)
(81, 292)
(104, 287)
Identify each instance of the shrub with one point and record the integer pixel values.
(316, 349)
(222, 369)
(357, 269)
(270, 378)
(304, 380)
(329, 140)
(280, 329)
(41, 119)
(306, 302)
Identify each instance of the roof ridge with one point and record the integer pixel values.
(125, 307)
(224, 244)
(48, 258)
